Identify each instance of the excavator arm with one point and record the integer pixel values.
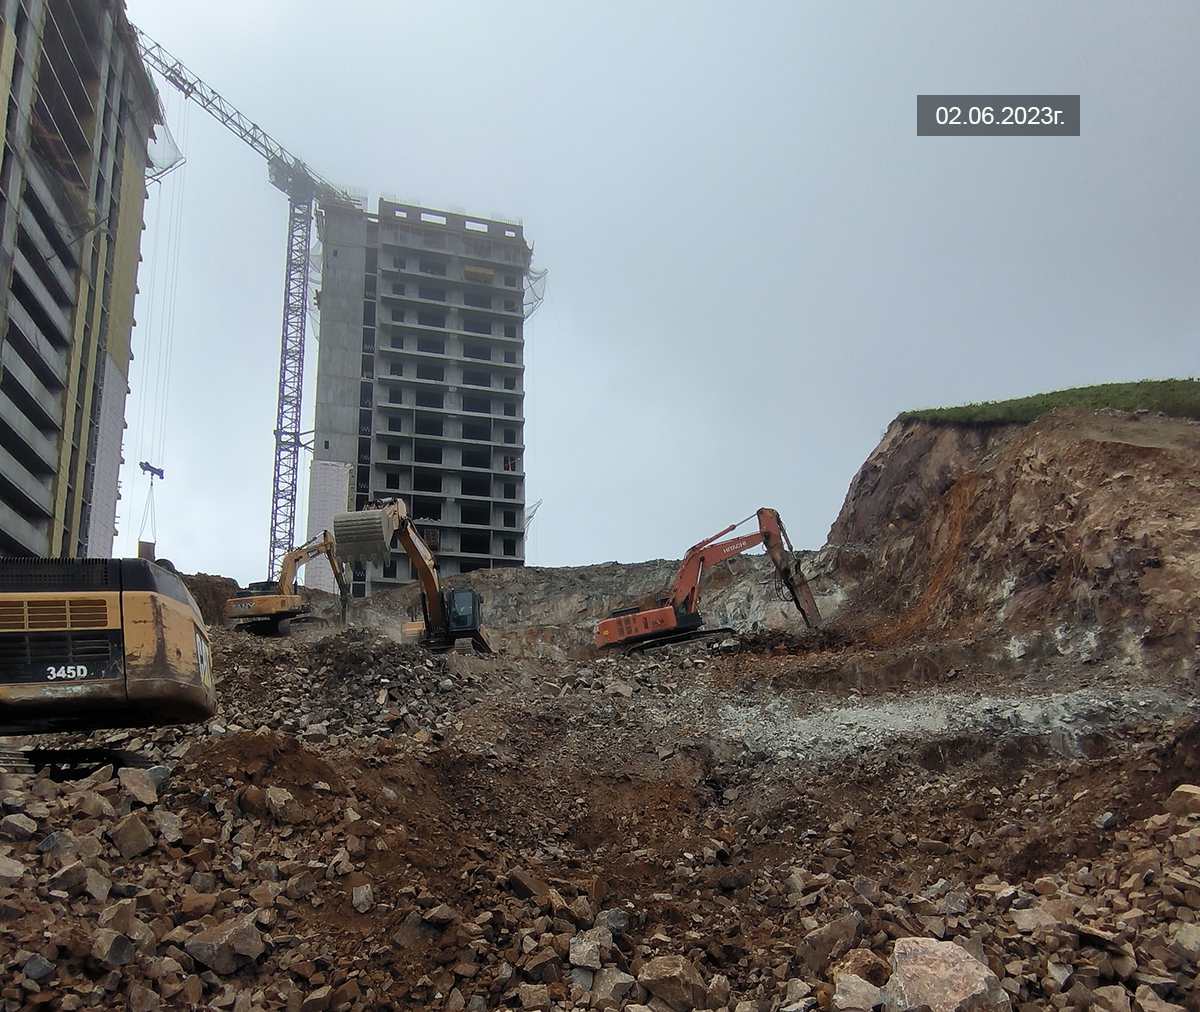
(423, 562)
(685, 589)
(322, 544)
(779, 549)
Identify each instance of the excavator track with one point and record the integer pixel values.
(14, 760)
(68, 763)
(677, 638)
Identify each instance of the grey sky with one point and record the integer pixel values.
(754, 263)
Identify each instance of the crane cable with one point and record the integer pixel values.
(167, 354)
(148, 513)
(154, 388)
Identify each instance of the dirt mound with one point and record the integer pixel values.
(1076, 534)
(211, 593)
(263, 759)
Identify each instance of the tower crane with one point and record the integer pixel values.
(303, 188)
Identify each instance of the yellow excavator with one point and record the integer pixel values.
(87, 644)
(450, 614)
(265, 606)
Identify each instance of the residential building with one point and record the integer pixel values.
(420, 380)
(78, 110)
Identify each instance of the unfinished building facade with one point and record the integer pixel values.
(420, 382)
(78, 109)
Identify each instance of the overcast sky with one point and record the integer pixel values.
(754, 262)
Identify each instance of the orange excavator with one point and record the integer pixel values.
(677, 616)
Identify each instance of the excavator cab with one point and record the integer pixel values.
(464, 608)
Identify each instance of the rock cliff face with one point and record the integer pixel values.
(914, 464)
(1076, 534)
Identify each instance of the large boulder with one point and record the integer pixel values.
(131, 837)
(612, 988)
(139, 784)
(854, 994)
(1184, 800)
(674, 980)
(830, 941)
(225, 948)
(943, 976)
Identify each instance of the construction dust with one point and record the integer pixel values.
(970, 790)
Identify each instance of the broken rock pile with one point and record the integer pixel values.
(351, 685)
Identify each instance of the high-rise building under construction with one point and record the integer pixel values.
(420, 382)
(76, 114)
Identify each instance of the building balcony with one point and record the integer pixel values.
(408, 437)
(48, 362)
(449, 386)
(450, 357)
(53, 321)
(391, 493)
(450, 525)
(448, 304)
(498, 472)
(41, 242)
(41, 406)
(456, 412)
(443, 331)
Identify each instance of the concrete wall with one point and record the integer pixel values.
(339, 356)
(329, 492)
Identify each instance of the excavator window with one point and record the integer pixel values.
(462, 609)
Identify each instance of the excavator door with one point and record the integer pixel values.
(463, 608)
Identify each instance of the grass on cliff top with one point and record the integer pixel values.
(1177, 397)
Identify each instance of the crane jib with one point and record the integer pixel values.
(302, 186)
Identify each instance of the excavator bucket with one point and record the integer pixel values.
(366, 534)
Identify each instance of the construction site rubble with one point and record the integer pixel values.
(883, 815)
(343, 890)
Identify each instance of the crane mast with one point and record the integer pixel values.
(303, 188)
